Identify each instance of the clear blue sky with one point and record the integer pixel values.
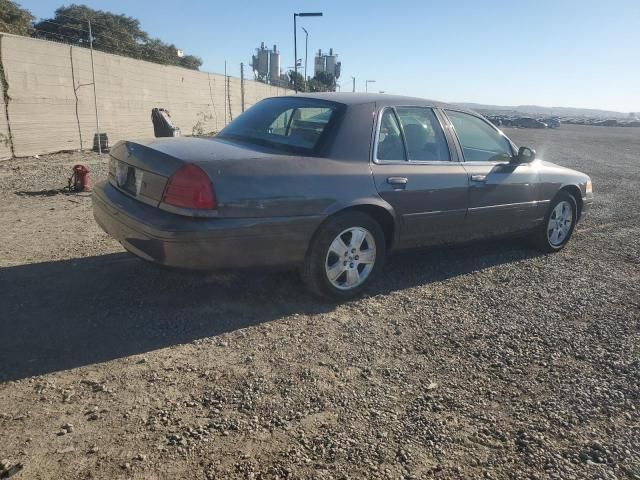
(571, 53)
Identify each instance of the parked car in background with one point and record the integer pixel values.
(551, 122)
(523, 122)
(332, 183)
(528, 122)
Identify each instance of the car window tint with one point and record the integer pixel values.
(479, 141)
(286, 123)
(390, 146)
(423, 134)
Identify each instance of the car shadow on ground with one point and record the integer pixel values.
(66, 314)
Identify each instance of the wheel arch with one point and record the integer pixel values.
(379, 210)
(576, 193)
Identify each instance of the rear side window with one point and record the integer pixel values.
(306, 123)
(423, 134)
(293, 124)
(390, 145)
(479, 141)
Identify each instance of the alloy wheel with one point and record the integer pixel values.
(351, 258)
(559, 225)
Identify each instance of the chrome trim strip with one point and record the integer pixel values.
(455, 153)
(374, 152)
(492, 162)
(416, 162)
(533, 203)
(436, 212)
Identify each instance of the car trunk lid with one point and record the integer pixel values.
(142, 169)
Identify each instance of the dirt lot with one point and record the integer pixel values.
(483, 361)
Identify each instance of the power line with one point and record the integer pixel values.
(85, 40)
(94, 20)
(58, 14)
(86, 19)
(63, 25)
(54, 33)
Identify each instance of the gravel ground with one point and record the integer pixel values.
(484, 361)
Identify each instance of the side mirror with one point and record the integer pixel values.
(525, 155)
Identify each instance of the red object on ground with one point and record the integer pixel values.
(80, 181)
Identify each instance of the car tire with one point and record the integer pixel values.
(345, 254)
(558, 225)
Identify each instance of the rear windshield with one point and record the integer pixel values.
(297, 125)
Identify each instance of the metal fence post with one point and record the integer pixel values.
(242, 84)
(225, 93)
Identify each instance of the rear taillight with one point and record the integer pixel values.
(190, 187)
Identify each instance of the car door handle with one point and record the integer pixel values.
(397, 180)
(478, 178)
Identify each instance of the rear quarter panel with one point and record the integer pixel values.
(292, 185)
(287, 185)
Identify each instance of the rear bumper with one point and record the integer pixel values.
(201, 243)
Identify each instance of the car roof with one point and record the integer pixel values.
(357, 98)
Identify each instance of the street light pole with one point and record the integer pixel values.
(295, 53)
(306, 50)
(366, 84)
(295, 43)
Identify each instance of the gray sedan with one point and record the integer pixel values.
(332, 183)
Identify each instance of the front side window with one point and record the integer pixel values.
(390, 144)
(423, 134)
(479, 141)
(291, 124)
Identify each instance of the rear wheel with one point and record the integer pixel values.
(558, 225)
(344, 256)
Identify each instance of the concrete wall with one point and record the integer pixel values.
(5, 148)
(51, 106)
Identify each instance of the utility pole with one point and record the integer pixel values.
(95, 97)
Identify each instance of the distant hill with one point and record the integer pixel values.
(546, 111)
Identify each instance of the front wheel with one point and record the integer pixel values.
(558, 225)
(344, 256)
